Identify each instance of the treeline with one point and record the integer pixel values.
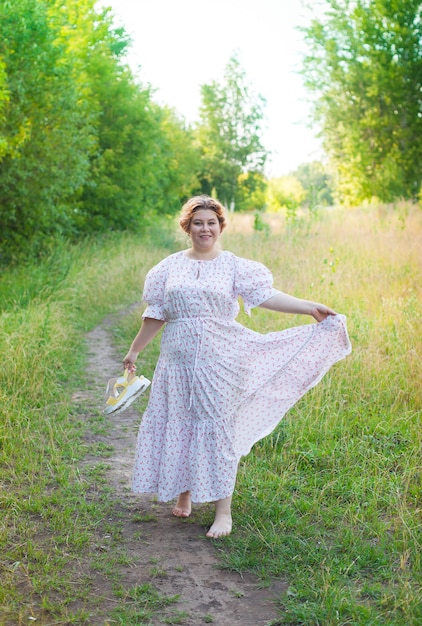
(85, 149)
(83, 146)
(364, 66)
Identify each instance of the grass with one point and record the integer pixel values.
(144, 601)
(52, 509)
(331, 500)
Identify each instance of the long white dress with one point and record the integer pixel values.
(219, 387)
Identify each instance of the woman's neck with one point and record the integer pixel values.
(202, 255)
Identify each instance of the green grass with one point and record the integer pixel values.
(51, 508)
(140, 604)
(331, 500)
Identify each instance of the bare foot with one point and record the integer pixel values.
(221, 527)
(183, 505)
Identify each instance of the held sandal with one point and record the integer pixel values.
(122, 391)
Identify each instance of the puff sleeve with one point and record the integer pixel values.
(253, 283)
(154, 291)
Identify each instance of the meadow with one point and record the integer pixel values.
(330, 501)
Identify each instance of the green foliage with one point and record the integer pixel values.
(229, 133)
(172, 174)
(285, 193)
(251, 191)
(95, 49)
(115, 193)
(317, 183)
(143, 156)
(45, 129)
(83, 148)
(259, 225)
(365, 67)
(4, 98)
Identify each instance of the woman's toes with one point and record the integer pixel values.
(181, 512)
(220, 529)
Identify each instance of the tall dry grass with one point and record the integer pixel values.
(331, 500)
(333, 497)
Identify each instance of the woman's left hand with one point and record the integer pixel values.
(320, 312)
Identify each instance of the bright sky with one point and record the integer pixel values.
(179, 45)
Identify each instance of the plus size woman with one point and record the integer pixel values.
(218, 386)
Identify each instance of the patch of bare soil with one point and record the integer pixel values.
(172, 554)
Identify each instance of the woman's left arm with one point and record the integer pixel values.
(284, 303)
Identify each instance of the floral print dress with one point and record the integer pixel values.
(218, 386)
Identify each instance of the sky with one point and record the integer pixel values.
(179, 45)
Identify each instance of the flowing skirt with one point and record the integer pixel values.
(219, 388)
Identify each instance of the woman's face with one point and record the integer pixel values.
(204, 230)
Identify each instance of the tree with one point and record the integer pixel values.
(365, 67)
(251, 191)
(124, 128)
(177, 175)
(142, 163)
(229, 133)
(83, 148)
(317, 183)
(285, 193)
(45, 129)
(121, 170)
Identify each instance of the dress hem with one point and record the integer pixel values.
(194, 500)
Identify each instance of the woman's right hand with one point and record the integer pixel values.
(129, 361)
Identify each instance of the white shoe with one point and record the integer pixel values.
(122, 391)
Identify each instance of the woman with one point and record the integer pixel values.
(219, 387)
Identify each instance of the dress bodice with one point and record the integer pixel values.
(180, 287)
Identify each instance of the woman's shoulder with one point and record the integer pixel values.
(233, 258)
(245, 264)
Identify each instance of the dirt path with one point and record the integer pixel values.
(172, 554)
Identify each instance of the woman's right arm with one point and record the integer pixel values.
(150, 327)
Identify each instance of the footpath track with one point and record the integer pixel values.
(169, 553)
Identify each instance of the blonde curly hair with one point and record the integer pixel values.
(198, 203)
